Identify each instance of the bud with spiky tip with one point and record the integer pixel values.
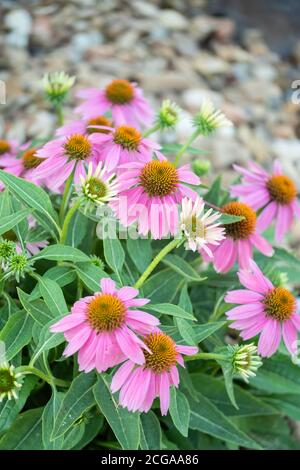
(10, 381)
(168, 115)
(209, 119)
(201, 166)
(244, 360)
(18, 266)
(96, 261)
(7, 250)
(56, 86)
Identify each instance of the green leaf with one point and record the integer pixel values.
(174, 148)
(214, 195)
(230, 219)
(90, 275)
(170, 309)
(228, 378)
(9, 409)
(61, 253)
(207, 418)
(25, 433)
(34, 197)
(77, 229)
(180, 411)
(278, 375)
(207, 329)
(114, 254)
(49, 414)
(125, 425)
(140, 252)
(37, 309)
(10, 221)
(53, 296)
(214, 389)
(92, 429)
(47, 340)
(77, 400)
(287, 404)
(62, 275)
(185, 328)
(16, 333)
(150, 432)
(5, 203)
(182, 267)
(164, 286)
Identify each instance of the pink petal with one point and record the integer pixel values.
(270, 338)
(129, 347)
(225, 255)
(290, 336)
(121, 376)
(187, 350)
(262, 244)
(244, 253)
(108, 286)
(266, 216)
(245, 311)
(242, 296)
(164, 392)
(127, 293)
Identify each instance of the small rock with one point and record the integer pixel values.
(193, 98)
(208, 64)
(173, 20)
(19, 23)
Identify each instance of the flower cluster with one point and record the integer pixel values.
(107, 156)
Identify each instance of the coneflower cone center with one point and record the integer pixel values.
(164, 354)
(106, 312)
(244, 228)
(280, 304)
(7, 381)
(195, 227)
(159, 178)
(119, 92)
(10, 236)
(77, 147)
(98, 121)
(4, 147)
(30, 159)
(128, 137)
(97, 187)
(281, 189)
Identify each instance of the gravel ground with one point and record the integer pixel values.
(175, 50)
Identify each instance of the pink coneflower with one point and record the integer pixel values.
(124, 99)
(140, 385)
(103, 327)
(265, 309)
(85, 126)
(150, 194)
(276, 194)
(63, 156)
(24, 165)
(240, 239)
(122, 145)
(8, 148)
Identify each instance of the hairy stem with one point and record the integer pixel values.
(50, 380)
(68, 218)
(169, 247)
(191, 139)
(206, 356)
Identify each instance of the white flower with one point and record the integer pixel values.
(98, 186)
(199, 227)
(9, 381)
(168, 114)
(56, 85)
(244, 359)
(209, 118)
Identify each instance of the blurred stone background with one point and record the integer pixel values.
(243, 55)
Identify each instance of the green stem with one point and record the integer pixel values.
(65, 198)
(169, 247)
(59, 114)
(206, 356)
(191, 139)
(153, 129)
(70, 213)
(24, 370)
